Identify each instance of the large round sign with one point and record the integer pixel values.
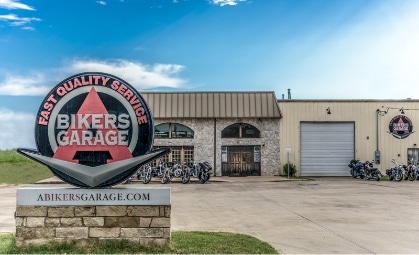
(94, 130)
(400, 126)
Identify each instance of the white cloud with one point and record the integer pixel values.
(34, 84)
(101, 2)
(28, 28)
(226, 2)
(10, 4)
(17, 130)
(14, 20)
(141, 76)
(137, 74)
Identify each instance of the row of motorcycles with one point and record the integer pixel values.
(397, 173)
(167, 171)
(364, 170)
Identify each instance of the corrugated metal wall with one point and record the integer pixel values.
(213, 104)
(326, 148)
(364, 114)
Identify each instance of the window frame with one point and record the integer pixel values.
(170, 132)
(241, 131)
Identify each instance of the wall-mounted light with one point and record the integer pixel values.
(328, 110)
(401, 110)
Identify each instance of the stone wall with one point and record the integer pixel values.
(268, 141)
(146, 225)
(206, 129)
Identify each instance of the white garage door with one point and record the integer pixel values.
(326, 148)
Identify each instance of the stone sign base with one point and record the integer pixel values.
(148, 225)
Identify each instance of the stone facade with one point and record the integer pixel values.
(207, 141)
(146, 225)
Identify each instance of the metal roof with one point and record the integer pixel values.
(213, 104)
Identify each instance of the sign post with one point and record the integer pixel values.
(288, 150)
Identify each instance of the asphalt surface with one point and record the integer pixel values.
(321, 215)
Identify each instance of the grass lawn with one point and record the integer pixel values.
(17, 169)
(194, 242)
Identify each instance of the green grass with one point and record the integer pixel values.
(17, 169)
(12, 156)
(181, 243)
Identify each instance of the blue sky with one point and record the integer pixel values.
(320, 49)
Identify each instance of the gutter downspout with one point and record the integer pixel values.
(378, 112)
(215, 146)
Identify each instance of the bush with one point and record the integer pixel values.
(293, 170)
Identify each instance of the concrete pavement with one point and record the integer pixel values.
(321, 215)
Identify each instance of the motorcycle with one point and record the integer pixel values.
(356, 168)
(371, 172)
(202, 171)
(396, 173)
(412, 172)
(205, 173)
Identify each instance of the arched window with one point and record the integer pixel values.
(232, 131)
(240, 130)
(172, 130)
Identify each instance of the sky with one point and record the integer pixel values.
(320, 49)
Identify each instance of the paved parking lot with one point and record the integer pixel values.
(324, 215)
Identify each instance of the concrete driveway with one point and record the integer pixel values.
(324, 215)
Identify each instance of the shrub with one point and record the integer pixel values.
(293, 169)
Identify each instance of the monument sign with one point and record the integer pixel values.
(93, 131)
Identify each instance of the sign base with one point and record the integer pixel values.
(59, 218)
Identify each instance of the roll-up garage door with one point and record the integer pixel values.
(326, 148)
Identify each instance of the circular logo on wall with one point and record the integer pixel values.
(93, 130)
(400, 126)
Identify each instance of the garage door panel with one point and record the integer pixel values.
(326, 148)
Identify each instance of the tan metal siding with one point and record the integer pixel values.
(213, 105)
(217, 105)
(200, 109)
(234, 105)
(246, 104)
(269, 105)
(364, 114)
(241, 110)
(258, 102)
(181, 107)
(252, 105)
(210, 108)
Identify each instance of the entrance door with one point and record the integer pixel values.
(240, 161)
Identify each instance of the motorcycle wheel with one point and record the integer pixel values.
(378, 177)
(353, 174)
(177, 173)
(398, 177)
(166, 178)
(202, 178)
(186, 178)
(147, 178)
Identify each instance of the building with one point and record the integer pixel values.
(253, 133)
(324, 135)
(237, 132)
